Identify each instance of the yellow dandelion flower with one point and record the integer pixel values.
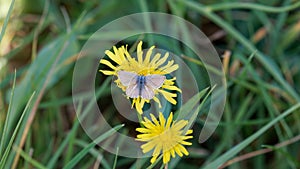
(142, 67)
(165, 137)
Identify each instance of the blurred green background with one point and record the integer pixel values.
(258, 43)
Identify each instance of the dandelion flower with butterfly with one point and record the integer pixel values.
(142, 78)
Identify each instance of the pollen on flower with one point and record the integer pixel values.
(150, 63)
(164, 137)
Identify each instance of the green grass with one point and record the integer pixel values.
(40, 129)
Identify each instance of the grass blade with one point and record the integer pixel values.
(83, 152)
(236, 149)
(253, 6)
(95, 153)
(195, 114)
(190, 104)
(35, 163)
(116, 158)
(8, 148)
(147, 22)
(62, 146)
(4, 133)
(6, 20)
(156, 161)
(265, 61)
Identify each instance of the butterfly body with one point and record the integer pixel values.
(141, 82)
(139, 85)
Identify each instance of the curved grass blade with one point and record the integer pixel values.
(4, 133)
(269, 64)
(253, 6)
(116, 158)
(29, 159)
(156, 161)
(83, 152)
(72, 133)
(95, 153)
(236, 149)
(6, 20)
(8, 148)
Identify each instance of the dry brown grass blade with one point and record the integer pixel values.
(260, 152)
(36, 104)
(226, 59)
(259, 35)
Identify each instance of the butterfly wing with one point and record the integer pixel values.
(155, 81)
(152, 82)
(127, 78)
(130, 80)
(147, 92)
(132, 91)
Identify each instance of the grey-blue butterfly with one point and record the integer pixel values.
(140, 86)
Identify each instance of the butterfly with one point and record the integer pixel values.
(140, 86)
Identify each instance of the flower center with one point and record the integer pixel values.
(168, 139)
